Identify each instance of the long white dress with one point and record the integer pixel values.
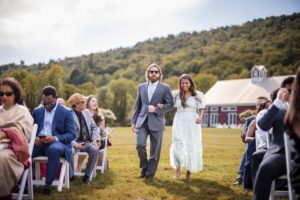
(186, 147)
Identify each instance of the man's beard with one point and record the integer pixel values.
(154, 79)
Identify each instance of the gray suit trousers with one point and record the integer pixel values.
(155, 148)
(93, 152)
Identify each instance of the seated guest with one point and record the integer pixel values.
(87, 134)
(292, 122)
(249, 149)
(274, 155)
(56, 131)
(102, 131)
(43, 165)
(251, 140)
(103, 134)
(261, 136)
(92, 106)
(16, 124)
(239, 179)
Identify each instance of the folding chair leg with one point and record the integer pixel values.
(67, 176)
(103, 161)
(271, 197)
(23, 183)
(61, 177)
(94, 174)
(29, 183)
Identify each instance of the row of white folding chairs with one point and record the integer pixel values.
(63, 180)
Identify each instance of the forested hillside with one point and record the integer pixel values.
(223, 53)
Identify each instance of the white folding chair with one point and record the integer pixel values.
(27, 174)
(103, 153)
(288, 145)
(63, 180)
(80, 173)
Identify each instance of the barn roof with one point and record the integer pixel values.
(241, 91)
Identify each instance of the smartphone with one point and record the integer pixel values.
(42, 136)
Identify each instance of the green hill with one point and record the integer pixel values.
(223, 53)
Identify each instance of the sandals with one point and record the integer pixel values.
(176, 176)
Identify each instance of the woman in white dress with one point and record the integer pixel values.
(186, 147)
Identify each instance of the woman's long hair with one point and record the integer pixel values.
(181, 92)
(292, 116)
(88, 104)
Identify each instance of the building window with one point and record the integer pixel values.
(206, 109)
(214, 109)
(205, 119)
(228, 109)
(232, 118)
(255, 73)
(213, 119)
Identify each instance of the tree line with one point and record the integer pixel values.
(218, 54)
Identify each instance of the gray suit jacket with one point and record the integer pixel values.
(92, 127)
(162, 95)
(274, 117)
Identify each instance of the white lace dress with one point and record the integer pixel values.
(186, 147)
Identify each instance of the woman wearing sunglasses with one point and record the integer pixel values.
(16, 125)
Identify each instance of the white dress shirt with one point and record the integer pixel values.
(48, 119)
(151, 89)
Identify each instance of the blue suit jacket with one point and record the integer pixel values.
(63, 126)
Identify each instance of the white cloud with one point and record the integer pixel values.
(73, 27)
(37, 30)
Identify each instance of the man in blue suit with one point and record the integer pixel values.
(56, 131)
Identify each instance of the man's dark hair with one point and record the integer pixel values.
(49, 90)
(273, 94)
(287, 81)
(97, 118)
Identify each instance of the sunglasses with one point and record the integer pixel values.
(153, 72)
(8, 94)
(49, 105)
(81, 102)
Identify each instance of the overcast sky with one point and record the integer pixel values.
(39, 30)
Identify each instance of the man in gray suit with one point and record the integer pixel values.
(87, 134)
(153, 99)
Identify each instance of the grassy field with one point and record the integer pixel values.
(222, 149)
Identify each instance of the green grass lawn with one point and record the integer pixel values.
(222, 150)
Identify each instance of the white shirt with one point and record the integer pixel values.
(281, 104)
(151, 89)
(48, 119)
(261, 136)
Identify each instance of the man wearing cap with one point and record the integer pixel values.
(87, 134)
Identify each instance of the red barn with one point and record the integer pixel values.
(225, 100)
